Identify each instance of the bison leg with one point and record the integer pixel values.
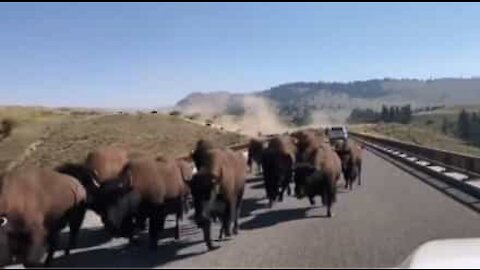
(259, 169)
(186, 206)
(312, 200)
(36, 251)
(52, 240)
(206, 235)
(238, 212)
(227, 218)
(34, 257)
(75, 222)
(360, 175)
(157, 220)
(280, 194)
(179, 217)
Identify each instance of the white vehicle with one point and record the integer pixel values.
(446, 254)
(337, 132)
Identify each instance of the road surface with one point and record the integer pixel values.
(375, 225)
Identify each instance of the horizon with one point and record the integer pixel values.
(171, 106)
(151, 55)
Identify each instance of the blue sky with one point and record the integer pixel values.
(153, 54)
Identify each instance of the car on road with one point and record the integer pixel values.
(337, 133)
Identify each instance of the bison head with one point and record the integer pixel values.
(302, 178)
(115, 202)
(16, 243)
(206, 197)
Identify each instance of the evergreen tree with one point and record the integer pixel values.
(463, 126)
(391, 114)
(384, 114)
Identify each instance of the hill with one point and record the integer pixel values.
(49, 137)
(332, 102)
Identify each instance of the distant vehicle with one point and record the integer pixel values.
(337, 133)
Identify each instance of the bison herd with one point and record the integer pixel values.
(129, 193)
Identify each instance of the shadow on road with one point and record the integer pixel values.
(274, 217)
(251, 204)
(254, 179)
(258, 186)
(128, 256)
(87, 238)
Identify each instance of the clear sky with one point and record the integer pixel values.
(153, 54)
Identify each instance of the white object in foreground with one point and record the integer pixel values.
(449, 253)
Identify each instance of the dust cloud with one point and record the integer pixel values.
(245, 114)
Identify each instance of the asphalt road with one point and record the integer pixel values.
(375, 225)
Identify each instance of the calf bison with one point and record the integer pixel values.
(318, 175)
(217, 190)
(277, 162)
(35, 205)
(351, 156)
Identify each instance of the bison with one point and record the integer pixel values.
(101, 165)
(201, 148)
(277, 162)
(255, 151)
(107, 162)
(351, 156)
(146, 189)
(306, 142)
(217, 190)
(319, 175)
(35, 205)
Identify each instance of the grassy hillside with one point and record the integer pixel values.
(49, 137)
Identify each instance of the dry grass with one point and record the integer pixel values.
(50, 138)
(419, 135)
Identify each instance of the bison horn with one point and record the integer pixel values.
(94, 179)
(3, 221)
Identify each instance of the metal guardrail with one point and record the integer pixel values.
(467, 164)
(402, 152)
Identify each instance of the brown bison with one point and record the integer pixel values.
(146, 189)
(35, 205)
(217, 190)
(351, 156)
(318, 175)
(201, 148)
(107, 162)
(102, 165)
(306, 142)
(255, 151)
(277, 162)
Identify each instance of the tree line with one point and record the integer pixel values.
(388, 114)
(468, 126)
